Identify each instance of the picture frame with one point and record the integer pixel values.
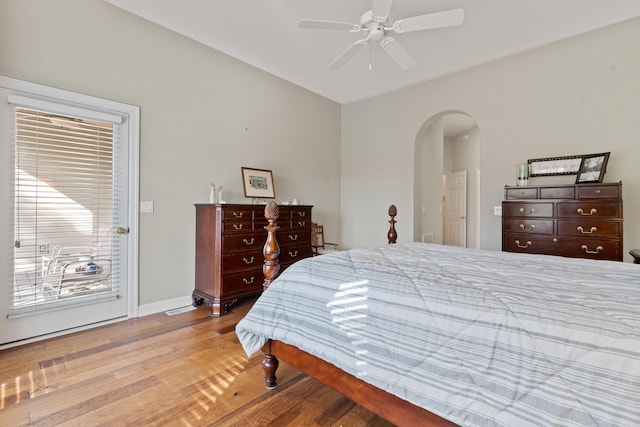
(552, 166)
(258, 183)
(592, 168)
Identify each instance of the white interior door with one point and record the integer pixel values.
(70, 215)
(455, 202)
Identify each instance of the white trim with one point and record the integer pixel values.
(63, 304)
(134, 207)
(41, 104)
(60, 333)
(27, 88)
(145, 310)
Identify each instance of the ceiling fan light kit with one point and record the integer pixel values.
(377, 24)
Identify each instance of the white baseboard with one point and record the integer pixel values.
(160, 306)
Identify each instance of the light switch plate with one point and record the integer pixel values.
(497, 210)
(146, 207)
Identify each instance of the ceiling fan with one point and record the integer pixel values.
(377, 24)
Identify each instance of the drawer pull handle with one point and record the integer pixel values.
(557, 192)
(531, 211)
(238, 214)
(248, 282)
(586, 249)
(293, 254)
(302, 223)
(302, 214)
(591, 212)
(248, 261)
(597, 191)
(580, 229)
(238, 226)
(293, 237)
(555, 240)
(248, 242)
(531, 227)
(525, 246)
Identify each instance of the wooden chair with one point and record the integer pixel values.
(635, 253)
(318, 244)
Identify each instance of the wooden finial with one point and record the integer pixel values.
(392, 235)
(271, 249)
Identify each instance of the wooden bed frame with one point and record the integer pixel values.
(386, 405)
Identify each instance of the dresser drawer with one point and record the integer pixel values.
(524, 209)
(292, 254)
(563, 246)
(237, 214)
(589, 208)
(242, 260)
(237, 226)
(588, 248)
(599, 192)
(300, 213)
(557, 193)
(521, 193)
(241, 242)
(531, 244)
(246, 282)
(525, 225)
(295, 237)
(589, 228)
(301, 223)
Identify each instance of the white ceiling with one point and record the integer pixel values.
(265, 34)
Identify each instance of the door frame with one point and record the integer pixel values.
(132, 112)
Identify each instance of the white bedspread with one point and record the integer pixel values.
(479, 337)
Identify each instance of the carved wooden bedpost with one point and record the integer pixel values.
(392, 235)
(271, 249)
(269, 366)
(271, 268)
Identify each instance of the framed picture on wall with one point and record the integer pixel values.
(258, 183)
(592, 168)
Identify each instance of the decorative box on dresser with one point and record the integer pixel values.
(229, 243)
(578, 221)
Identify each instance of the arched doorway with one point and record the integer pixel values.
(447, 144)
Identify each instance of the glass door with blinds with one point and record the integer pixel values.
(69, 219)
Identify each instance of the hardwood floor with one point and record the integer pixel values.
(182, 370)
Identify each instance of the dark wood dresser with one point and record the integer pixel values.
(579, 221)
(229, 243)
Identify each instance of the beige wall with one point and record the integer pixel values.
(577, 96)
(203, 116)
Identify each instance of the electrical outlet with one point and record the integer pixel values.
(497, 210)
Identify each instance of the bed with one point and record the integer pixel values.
(425, 334)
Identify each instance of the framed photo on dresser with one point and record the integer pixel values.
(592, 168)
(258, 183)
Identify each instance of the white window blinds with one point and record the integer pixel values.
(64, 206)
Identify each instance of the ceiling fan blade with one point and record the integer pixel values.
(447, 18)
(349, 53)
(398, 53)
(328, 25)
(381, 10)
